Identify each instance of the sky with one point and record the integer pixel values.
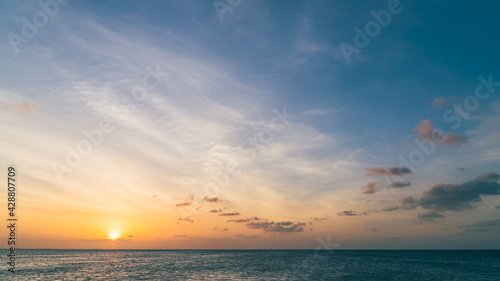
(238, 124)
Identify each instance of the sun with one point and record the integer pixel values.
(113, 235)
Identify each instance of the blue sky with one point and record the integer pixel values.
(220, 84)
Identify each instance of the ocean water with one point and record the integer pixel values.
(254, 265)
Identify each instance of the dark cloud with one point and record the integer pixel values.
(497, 207)
(373, 229)
(259, 225)
(221, 229)
(282, 227)
(430, 215)
(186, 219)
(399, 184)
(244, 220)
(182, 204)
(427, 132)
(247, 236)
(350, 213)
(458, 197)
(215, 211)
(391, 171)
(461, 168)
(320, 219)
(489, 177)
(371, 188)
(409, 203)
(130, 236)
(390, 209)
(452, 197)
(230, 214)
(211, 199)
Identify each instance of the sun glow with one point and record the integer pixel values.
(113, 235)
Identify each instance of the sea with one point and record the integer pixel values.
(398, 265)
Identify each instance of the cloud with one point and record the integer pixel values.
(239, 220)
(371, 188)
(390, 209)
(247, 236)
(453, 197)
(182, 235)
(182, 204)
(409, 203)
(458, 197)
(244, 220)
(230, 214)
(392, 171)
(497, 207)
(430, 215)
(130, 236)
(373, 229)
(23, 107)
(399, 184)
(351, 213)
(186, 219)
(427, 132)
(211, 199)
(282, 227)
(215, 211)
(321, 219)
(221, 229)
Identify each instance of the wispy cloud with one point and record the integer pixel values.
(23, 107)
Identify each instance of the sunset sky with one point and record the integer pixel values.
(252, 124)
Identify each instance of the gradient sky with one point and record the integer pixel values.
(255, 130)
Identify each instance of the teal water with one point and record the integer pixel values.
(254, 265)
